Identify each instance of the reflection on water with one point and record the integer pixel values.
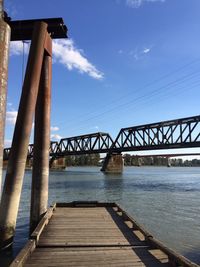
(113, 187)
(165, 200)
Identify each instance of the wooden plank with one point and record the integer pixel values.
(86, 204)
(44, 221)
(102, 257)
(95, 234)
(24, 254)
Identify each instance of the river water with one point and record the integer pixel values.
(164, 200)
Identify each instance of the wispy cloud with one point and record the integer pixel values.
(18, 47)
(146, 50)
(138, 3)
(55, 137)
(54, 128)
(138, 52)
(66, 53)
(11, 117)
(120, 51)
(7, 143)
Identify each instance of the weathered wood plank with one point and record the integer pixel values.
(24, 254)
(101, 257)
(92, 234)
(44, 221)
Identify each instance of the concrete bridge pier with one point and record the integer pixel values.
(58, 164)
(168, 162)
(29, 163)
(113, 163)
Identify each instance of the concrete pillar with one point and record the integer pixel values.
(18, 155)
(29, 163)
(40, 175)
(58, 164)
(113, 163)
(4, 55)
(168, 162)
(139, 161)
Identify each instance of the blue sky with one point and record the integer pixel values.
(126, 62)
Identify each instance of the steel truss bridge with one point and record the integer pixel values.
(180, 133)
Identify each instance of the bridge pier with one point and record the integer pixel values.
(29, 163)
(58, 164)
(168, 162)
(113, 163)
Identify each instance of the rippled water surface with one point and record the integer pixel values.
(165, 200)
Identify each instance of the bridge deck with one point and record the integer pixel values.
(99, 235)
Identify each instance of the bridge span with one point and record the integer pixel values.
(172, 134)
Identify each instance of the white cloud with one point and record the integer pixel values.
(11, 117)
(7, 143)
(134, 3)
(66, 53)
(136, 56)
(138, 3)
(18, 47)
(146, 50)
(139, 53)
(54, 128)
(55, 137)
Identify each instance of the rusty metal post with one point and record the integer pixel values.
(17, 160)
(40, 175)
(4, 53)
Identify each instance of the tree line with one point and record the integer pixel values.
(130, 160)
(83, 160)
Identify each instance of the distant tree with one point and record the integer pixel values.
(82, 160)
(127, 159)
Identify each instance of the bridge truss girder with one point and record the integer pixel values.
(181, 133)
(84, 144)
(52, 150)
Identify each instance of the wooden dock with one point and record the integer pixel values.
(94, 234)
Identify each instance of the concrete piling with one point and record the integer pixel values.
(113, 163)
(58, 164)
(4, 54)
(40, 174)
(16, 165)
